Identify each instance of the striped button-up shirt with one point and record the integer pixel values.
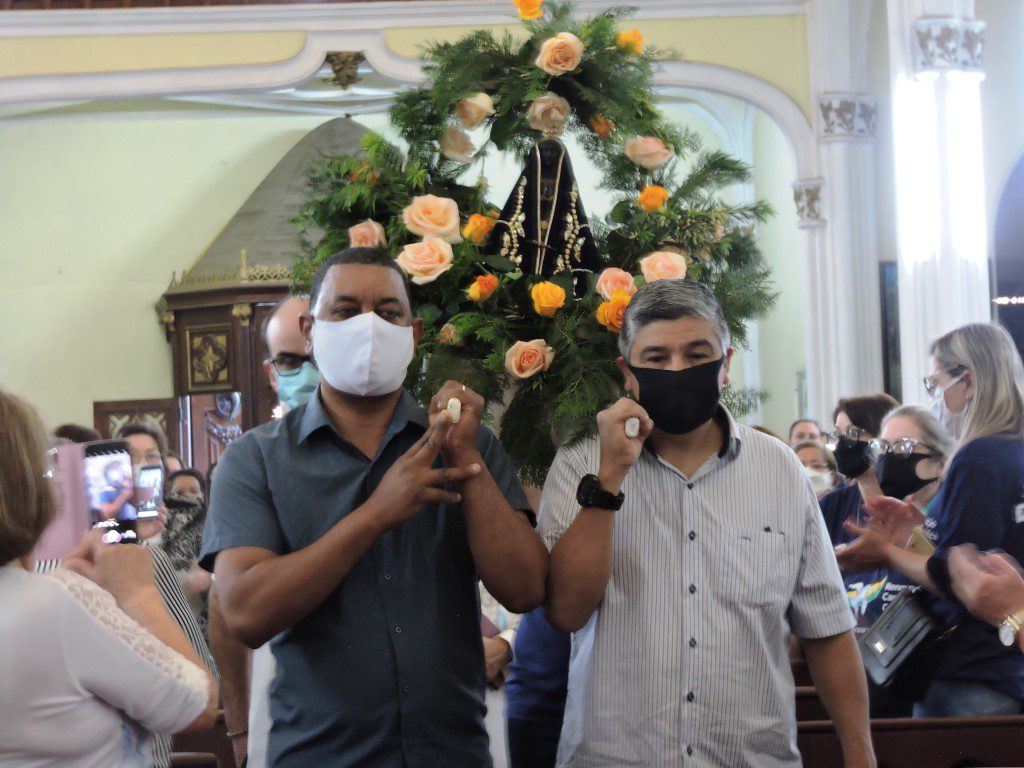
(686, 660)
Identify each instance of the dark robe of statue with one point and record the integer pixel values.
(543, 228)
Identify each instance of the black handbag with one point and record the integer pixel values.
(902, 647)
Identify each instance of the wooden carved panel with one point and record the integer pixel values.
(216, 423)
(208, 358)
(109, 416)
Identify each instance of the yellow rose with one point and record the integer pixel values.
(610, 313)
(653, 198)
(426, 261)
(472, 111)
(530, 10)
(368, 234)
(527, 358)
(431, 215)
(478, 228)
(664, 265)
(614, 279)
(548, 298)
(648, 152)
(560, 54)
(482, 288)
(631, 40)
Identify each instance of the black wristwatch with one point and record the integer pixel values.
(591, 495)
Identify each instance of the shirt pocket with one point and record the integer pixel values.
(756, 565)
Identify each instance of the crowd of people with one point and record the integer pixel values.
(378, 588)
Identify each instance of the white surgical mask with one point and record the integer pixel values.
(953, 423)
(364, 355)
(821, 480)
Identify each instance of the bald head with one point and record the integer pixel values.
(282, 334)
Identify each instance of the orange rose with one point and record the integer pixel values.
(530, 10)
(482, 288)
(473, 110)
(648, 152)
(368, 234)
(426, 261)
(478, 228)
(614, 279)
(664, 265)
(548, 298)
(631, 40)
(610, 313)
(602, 125)
(560, 54)
(430, 215)
(527, 358)
(372, 178)
(653, 198)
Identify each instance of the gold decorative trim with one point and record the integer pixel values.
(167, 320)
(243, 312)
(258, 273)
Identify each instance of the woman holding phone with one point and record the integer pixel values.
(92, 660)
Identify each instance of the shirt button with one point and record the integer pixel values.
(690, 696)
(387, 577)
(398, 630)
(406, 689)
(693, 535)
(690, 486)
(689, 750)
(693, 588)
(693, 642)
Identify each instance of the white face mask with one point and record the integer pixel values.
(953, 423)
(365, 355)
(821, 480)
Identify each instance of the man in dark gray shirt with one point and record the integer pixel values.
(351, 533)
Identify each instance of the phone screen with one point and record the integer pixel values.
(149, 487)
(110, 489)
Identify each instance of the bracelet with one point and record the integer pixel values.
(238, 734)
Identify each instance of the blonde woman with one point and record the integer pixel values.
(91, 663)
(977, 383)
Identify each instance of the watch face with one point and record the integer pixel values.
(1007, 635)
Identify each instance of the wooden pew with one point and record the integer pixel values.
(993, 742)
(808, 705)
(195, 760)
(215, 742)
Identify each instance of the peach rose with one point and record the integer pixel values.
(602, 125)
(456, 145)
(473, 110)
(631, 40)
(368, 234)
(548, 114)
(614, 279)
(527, 358)
(426, 261)
(530, 10)
(648, 152)
(482, 288)
(548, 298)
(719, 233)
(653, 198)
(560, 54)
(431, 215)
(664, 265)
(478, 228)
(610, 313)
(450, 335)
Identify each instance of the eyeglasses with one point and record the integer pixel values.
(851, 433)
(902, 447)
(931, 383)
(149, 457)
(286, 363)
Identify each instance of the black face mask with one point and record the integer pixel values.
(679, 401)
(897, 475)
(853, 457)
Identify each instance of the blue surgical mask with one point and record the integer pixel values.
(295, 388)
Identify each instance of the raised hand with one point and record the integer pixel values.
(619, 451)
(894, 519)
(412, 481)
(124, 572)
(461, 440)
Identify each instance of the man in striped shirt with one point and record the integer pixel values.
(685, 549)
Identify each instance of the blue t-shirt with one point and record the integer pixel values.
(868, 592)
(539, 673)
(981, 502)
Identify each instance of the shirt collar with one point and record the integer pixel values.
(731, 446)
(407, 411)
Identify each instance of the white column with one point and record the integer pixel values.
(935, 67)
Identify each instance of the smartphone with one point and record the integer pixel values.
(110, 490)
(149, 490)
